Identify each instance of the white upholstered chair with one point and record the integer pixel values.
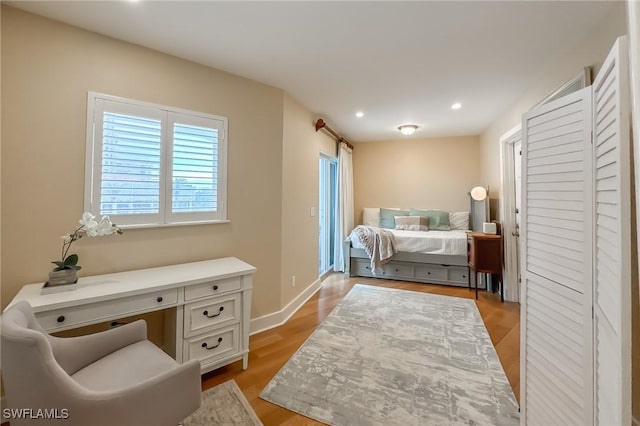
(116, 377)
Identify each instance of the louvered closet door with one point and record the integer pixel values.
(612, 265)
(556, 346)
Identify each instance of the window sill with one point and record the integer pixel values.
(171, 225)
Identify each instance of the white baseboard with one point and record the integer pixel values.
(278, 318)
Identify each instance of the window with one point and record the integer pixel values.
(154, 165)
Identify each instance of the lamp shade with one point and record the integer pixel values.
(479, 193)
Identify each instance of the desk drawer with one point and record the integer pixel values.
(211, 313)
(65, 318)
(212, 288)
(214, 346)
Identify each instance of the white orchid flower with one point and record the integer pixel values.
(66, 238)
(87, 218)
(105, 227)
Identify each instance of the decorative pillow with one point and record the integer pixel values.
(438, 219)
(459, 220)
(387, 217)
(371, 216)
(412, 223)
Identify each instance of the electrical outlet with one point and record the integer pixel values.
(293, 281)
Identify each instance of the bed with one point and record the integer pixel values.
(434, 257)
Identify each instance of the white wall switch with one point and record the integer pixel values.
(314, 211)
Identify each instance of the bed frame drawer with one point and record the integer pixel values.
(397, 269)
(431, 272)
(361, 267)
(459, 274)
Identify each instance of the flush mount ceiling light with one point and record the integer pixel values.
(457, 105)
(359, 114)
(408, 129)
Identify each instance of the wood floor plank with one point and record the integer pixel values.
(271, 349)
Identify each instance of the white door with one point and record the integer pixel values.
(556, 263)
(612, 260)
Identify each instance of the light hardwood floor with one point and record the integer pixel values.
(270, 350)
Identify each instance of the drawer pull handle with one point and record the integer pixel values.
(204, 345)
(428, 273)
(464, 276)
(61, 318)
(215, 288)
(160, 299)
(397, 270)
(206, 313)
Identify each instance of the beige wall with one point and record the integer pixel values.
(301, 150)
(590, 52)
(420, 173)
(47, 69)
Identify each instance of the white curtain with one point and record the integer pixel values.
(344, 205)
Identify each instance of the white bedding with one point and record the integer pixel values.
(431, 242)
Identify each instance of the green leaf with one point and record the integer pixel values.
(58, 263)
(71, 260)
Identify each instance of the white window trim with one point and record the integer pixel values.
(165, 218)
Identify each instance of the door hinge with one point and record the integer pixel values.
(592, 313)
(592, 137)
(517, 210)
(520, 152)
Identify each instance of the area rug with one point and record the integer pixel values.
(395, 357)
(223, 405)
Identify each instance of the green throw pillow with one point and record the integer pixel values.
(387, 219)
(438, 219)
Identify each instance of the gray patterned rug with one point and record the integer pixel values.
(395, 357)
(223, 405)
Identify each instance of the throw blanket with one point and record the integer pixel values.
(379, 244)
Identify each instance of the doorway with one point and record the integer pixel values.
(327, 212)
(510, 207)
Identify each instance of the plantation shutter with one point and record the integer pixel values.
(612, 265)
(196, 184)
(556, 228)
(127, 160)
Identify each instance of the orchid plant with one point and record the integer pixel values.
(88, 226)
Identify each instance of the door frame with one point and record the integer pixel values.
(508, 216)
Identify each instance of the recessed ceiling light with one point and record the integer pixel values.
(457, 105)
(359, 114)
(408, 129)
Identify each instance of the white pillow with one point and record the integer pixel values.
(459, 220)
(412, 223)
(371, 217)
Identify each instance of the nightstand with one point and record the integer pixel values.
(484, 254)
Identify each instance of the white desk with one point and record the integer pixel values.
(212, 301)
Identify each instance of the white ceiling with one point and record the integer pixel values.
(399, 62)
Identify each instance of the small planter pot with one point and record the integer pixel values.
(66, 276)
(59, 281)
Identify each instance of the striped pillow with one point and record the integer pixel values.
(412, 223)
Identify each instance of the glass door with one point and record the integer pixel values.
(327, 211)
